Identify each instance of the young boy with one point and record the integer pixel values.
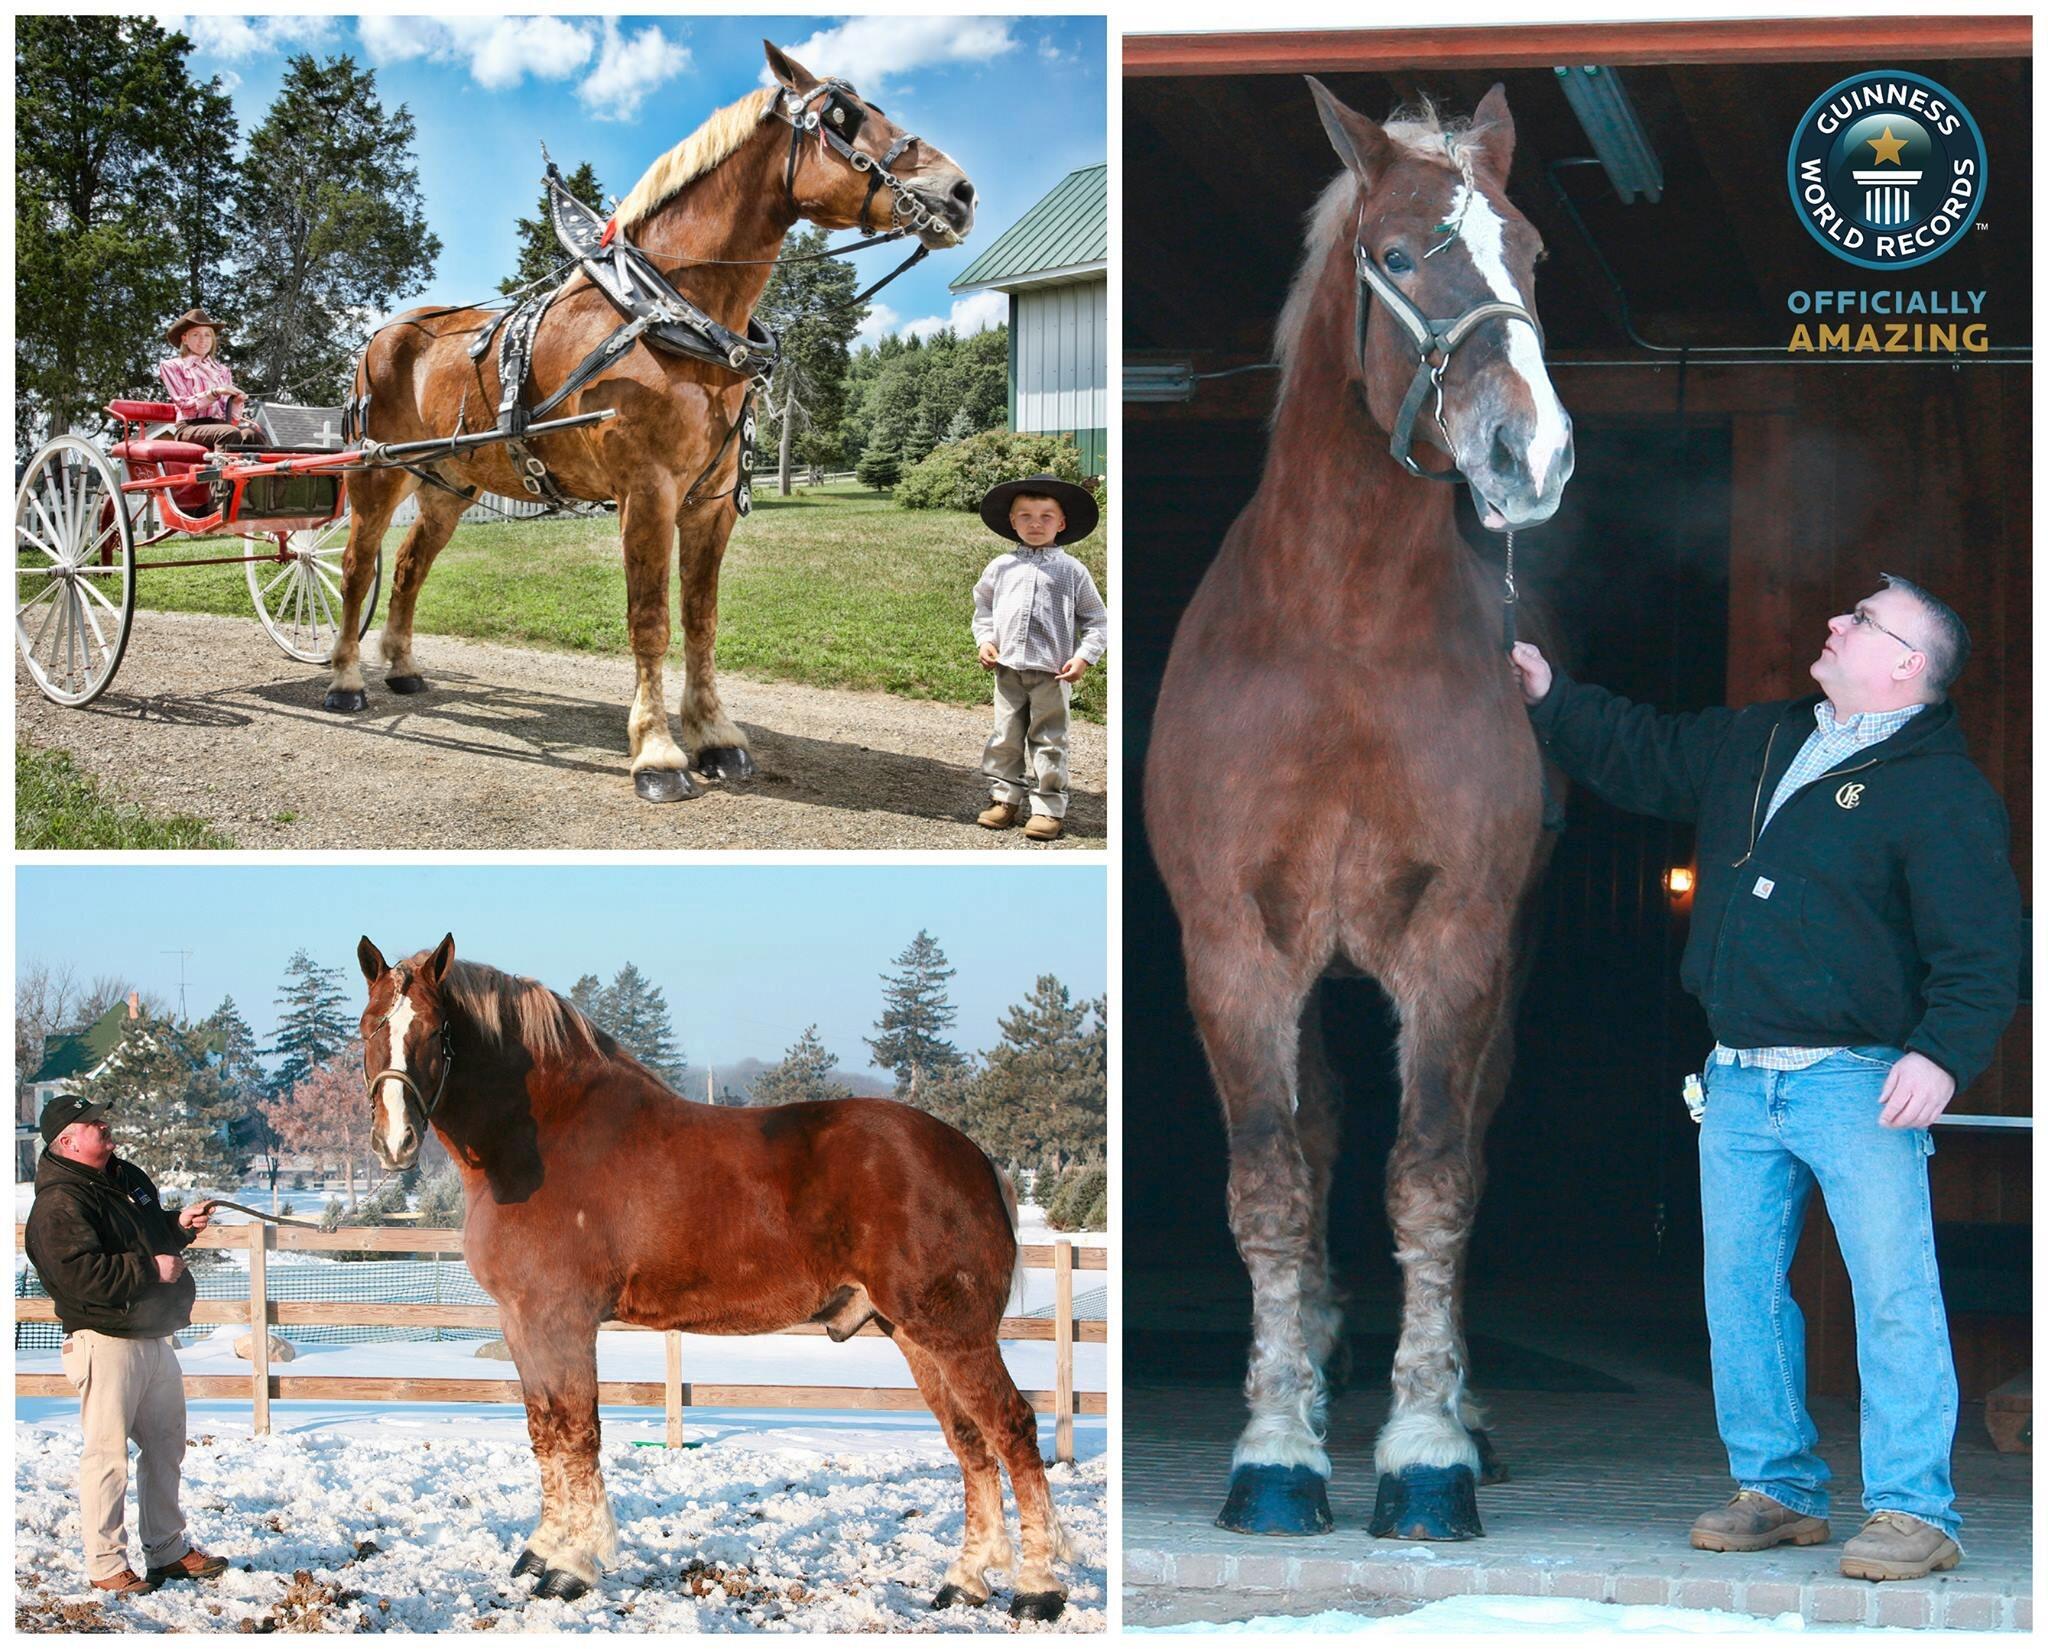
(1026, 609)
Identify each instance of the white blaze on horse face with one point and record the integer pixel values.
(1482, 234)
(390, 1092)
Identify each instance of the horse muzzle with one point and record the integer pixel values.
(950, 200)
(1514, 484)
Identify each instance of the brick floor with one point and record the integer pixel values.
(1604, 1487)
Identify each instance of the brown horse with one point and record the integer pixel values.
(1342, 778)
(712, 213)
(596, 1193)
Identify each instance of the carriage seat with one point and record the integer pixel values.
(144, 412)
(161, 452)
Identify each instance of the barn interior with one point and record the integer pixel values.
(1730, 495)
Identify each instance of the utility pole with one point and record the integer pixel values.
(181, 955)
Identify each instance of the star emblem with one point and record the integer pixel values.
(1889, 148)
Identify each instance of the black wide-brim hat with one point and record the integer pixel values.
(187, 321)
(1077, 504)
(64, 1110)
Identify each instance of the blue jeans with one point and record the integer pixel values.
(1767, 1138)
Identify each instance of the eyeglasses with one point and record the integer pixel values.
(1862, 619)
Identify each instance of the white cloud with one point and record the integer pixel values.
(881, 321)
(871, 52)
(234, 36)
(1049, 48)
(628, 70)
(977, 312)
(499, 52)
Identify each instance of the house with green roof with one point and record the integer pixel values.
(1053, 262)
(70, 1060)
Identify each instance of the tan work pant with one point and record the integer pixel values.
(128, 1388)
(1026, 755)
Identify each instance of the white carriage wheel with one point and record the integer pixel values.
(298, 599)
(74, 571)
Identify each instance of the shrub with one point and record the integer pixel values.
(441, 1202)
(957, 475)
(1078, 1194)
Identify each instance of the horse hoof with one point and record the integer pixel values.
(346, 699)
(406, 684)
(1276, 1500)
(1426, 1503)
(559, 1583)
(1037, 1605)
(530, 1563)
(1491, 1470)
(725, 761)
(665, 784)
(949, 1594)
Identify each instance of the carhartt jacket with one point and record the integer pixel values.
(1878, 906)
(93, 1238)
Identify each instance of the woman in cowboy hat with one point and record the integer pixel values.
(1027, 608)
(198, 383)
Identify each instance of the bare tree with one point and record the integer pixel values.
(45, 1004)
(325, 1116)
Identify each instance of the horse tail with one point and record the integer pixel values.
(1015, 1297)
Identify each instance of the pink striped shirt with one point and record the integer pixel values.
(199, 386)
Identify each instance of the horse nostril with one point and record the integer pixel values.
(963, 192)
(1502, 460)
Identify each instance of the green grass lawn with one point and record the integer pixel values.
(834, 586)
(55, 805)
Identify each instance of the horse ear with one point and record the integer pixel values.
(1493, 132)
(372, 960)
(1360, 143)
(436, 969)
(787, 70)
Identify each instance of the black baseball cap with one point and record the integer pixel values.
(66, 1109)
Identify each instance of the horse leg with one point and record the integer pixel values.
(1495, 1065)
(1426, 1457)
(1248, 1007)
(711, 736)
(372, 499)
(986, 1542)
(647, 531)
(557, 1366)
(984, 1390)
(440, 512)
(1318, 1120)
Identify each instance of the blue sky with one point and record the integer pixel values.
(1018, 102)
(747, 955)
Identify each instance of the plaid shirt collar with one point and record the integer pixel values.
(1865, 728)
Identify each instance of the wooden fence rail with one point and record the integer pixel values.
(672, 1393)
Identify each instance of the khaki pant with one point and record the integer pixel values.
(128, 1388)
(1026, 755)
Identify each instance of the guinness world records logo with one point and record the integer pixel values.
(1887, 169)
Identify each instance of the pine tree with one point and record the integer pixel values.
(540, 253)
(586, 996)
(313, 1021)
(174, 1114)
(634, 1012)
(915, 1016)
(805, 1073)
(880, 466)
(244, 1083)
(1046, 1087)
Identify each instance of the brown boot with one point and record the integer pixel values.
(1751, 1522)
(126, 1584)
(194, 1565)
(1894, 1546)
(997, 816)
(1042, 828)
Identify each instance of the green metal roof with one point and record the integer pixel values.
(1069, 229)
(78, 1052)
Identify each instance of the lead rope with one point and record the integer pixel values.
(257, 1213)
(1508, 599)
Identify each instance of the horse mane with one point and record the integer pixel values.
(1425, 134)
(516, 1012)
(703, 149)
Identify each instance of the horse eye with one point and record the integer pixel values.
(1396, 261)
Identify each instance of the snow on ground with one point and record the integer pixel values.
(1510, 1616)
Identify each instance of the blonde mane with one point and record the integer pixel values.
(706, 147)
(515, 1011)
(1425, 135)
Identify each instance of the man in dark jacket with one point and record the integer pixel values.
(1856, 944)
(111, 1258)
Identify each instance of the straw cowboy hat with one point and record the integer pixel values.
(1077, 504)
(187, 321)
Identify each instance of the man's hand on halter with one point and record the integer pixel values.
(1533, 669)
(1916, 1092)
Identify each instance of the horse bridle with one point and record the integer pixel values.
(837, 119)
(404, 1079)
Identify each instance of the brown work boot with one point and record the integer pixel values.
(194, 1565)
(1042, 828)
(1894, 1546)
(126, 1584)
(997, 816)
(1752, 1522)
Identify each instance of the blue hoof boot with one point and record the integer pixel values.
(1426, 1503)
(1276, 1500)
(561, 1584)
(529, 1564)
(1491, 1468)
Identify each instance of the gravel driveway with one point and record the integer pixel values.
(515, 748)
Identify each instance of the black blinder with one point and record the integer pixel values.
(844, 116)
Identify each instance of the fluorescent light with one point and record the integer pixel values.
(1601, 102)
(1159, 380)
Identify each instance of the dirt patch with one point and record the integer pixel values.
(516, 748)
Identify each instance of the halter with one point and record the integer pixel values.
(838, 120)
(405, 1081)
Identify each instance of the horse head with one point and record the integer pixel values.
(406, 1056)
(851, 167)
(1452, 349)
